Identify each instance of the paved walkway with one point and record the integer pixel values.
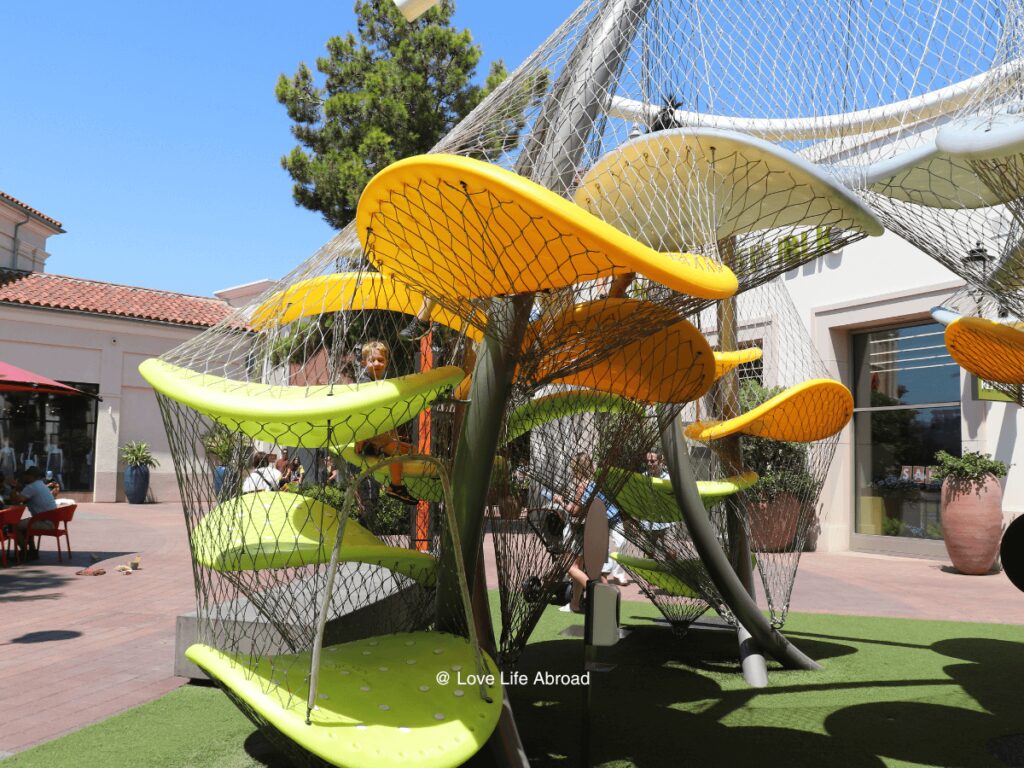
(78, 649)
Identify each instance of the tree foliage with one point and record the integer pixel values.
(391, 93)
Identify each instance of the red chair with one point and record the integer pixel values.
(55, 516)
(8, 525)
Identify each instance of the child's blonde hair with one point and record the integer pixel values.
(376, 346)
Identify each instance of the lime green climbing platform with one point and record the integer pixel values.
(271, 529)
(296, 416)
(379, 700)
(651, 499)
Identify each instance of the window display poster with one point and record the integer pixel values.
(920, 475)
(906, 472)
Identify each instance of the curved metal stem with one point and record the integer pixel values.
(706, 543)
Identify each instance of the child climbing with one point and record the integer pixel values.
(375, 356)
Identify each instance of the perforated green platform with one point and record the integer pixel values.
(271, 529)
(658, 574)
(651, 499)
(379, 703)
(559, 405)
(305, 417)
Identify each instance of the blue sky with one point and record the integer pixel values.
(152, 132)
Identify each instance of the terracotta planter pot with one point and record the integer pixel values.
(773, 524)
(972, 523)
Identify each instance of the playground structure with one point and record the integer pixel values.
(597, 246)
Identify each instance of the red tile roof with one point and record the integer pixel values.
(39, 289)
(30, 209)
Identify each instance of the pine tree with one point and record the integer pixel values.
(391, 93)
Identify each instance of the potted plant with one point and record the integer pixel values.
(219, 443)
(138, 461)
(971, 509)
(785, 486)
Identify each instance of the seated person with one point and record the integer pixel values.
(52, 484)
(375, 355)
(296, 473)
(582, 490)
(263, 476)
(37, 498)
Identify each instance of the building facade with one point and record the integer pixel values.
(91, 335)
(867, 310)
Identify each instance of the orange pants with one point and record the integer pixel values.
(386, 446)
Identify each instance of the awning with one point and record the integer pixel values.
(14, 379)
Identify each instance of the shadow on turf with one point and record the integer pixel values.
(260, 749)
(634, 704)
(638, 725)
(908, 730)
(709, 649)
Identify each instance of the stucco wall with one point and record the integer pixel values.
(105, 351)
(31, 234)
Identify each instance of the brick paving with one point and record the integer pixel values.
(78, 649)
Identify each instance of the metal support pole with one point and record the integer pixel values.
(478, 444)
(730, 454)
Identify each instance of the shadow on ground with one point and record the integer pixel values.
(27, 579)
(262, 751)
(44, 636)
(913, 731)
(669, 701)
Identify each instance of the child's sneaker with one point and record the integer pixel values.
(416, 329)
(401, 493)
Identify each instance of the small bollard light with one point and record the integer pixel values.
(602, 624)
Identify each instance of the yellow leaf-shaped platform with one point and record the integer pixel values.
(726, 361)
(307, 417)
(994, 351)
(461, 228)
(350, 291)
(379, 704)
(682, 370)
(809, 411)
(659, 188)
(271, 529)
(674, 364)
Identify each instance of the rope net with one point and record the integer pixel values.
(307, 427)
(782, 509)
(775, 513)
(589, 223)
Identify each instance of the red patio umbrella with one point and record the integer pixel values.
(14, 379)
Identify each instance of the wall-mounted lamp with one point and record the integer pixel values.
(413, 9)
(978, 258)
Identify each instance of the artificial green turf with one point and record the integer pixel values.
(892, 692)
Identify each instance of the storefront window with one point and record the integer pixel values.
(56, 433)
(907, 393)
